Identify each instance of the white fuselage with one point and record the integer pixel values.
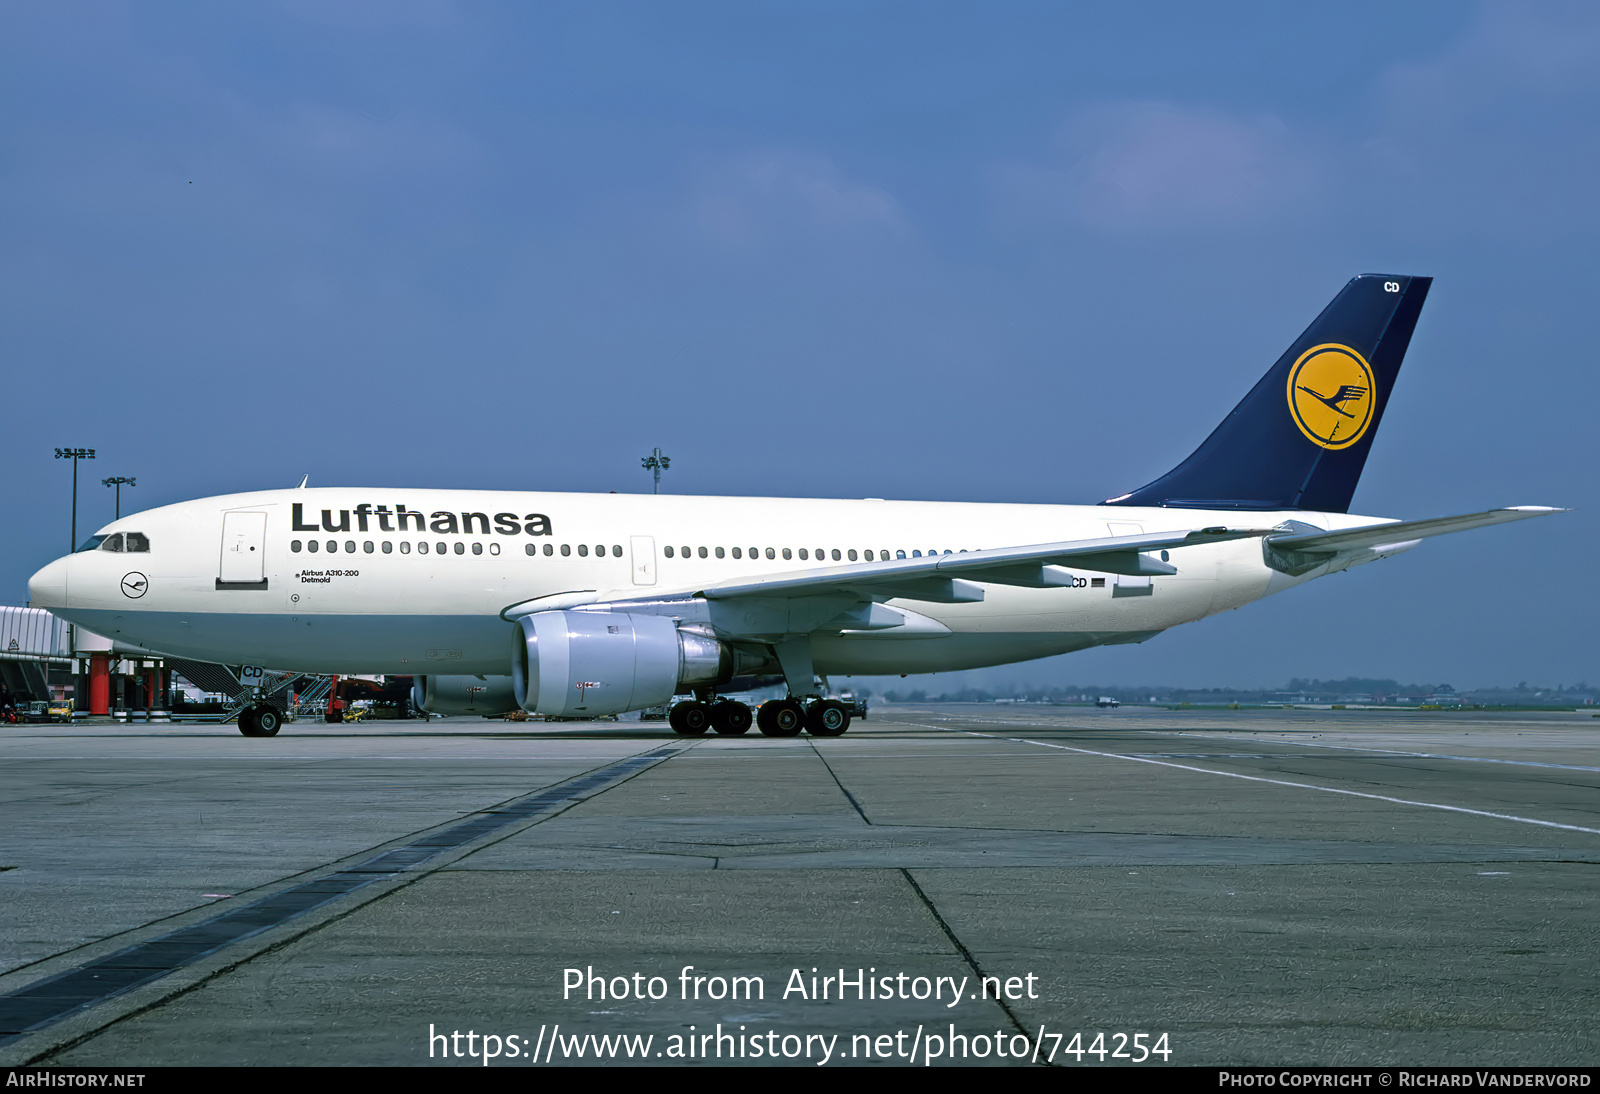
(235, 579)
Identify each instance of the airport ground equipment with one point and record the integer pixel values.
(261, 700)
(855, 704)
(312, 698)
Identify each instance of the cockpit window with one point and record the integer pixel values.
(118, 541)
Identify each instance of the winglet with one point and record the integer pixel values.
(303, 480)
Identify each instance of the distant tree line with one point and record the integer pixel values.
(1310, 690)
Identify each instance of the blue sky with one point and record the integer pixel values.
(988, 252)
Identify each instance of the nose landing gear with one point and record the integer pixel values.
(261, 720)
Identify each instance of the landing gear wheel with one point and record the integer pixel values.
(260, 721)
(781, 718)
(690, 719)
(827, 718)
(731, 719)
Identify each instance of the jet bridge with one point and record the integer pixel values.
(31, 640)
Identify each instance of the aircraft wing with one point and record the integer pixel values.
(1392, 533)
(949, 578)
(939, 579)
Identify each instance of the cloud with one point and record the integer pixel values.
(782, 194)
(1549, 51)
(1159, 165)
(330, 141)
(1495, 134)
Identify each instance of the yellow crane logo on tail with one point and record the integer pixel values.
(1331, 393)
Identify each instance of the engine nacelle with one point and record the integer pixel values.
(585, 664)
(487, 695)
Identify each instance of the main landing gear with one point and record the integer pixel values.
(787, 717)
(778, 718)
(726, 717)
(260, 720)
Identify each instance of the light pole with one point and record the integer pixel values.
(658, 463)
(119, 482)
(74, 454)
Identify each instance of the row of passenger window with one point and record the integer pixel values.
(332, 547)
(387, 547)
(583, 549)
(822, 554)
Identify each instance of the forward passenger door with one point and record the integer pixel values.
(244, 549)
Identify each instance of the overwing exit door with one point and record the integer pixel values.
(644, 559)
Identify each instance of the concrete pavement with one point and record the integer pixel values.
(1259, 887)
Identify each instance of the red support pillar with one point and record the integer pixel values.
(99, 683)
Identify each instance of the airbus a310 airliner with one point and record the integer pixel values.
(591, 604)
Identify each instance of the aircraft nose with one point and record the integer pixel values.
(48, 587)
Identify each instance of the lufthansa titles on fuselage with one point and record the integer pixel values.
(440, 523)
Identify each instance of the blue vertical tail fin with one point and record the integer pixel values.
(1300, 438)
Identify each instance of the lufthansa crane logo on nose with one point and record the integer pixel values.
(1331, 393)
(135, 585)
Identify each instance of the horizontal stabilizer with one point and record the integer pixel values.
(1403, 531)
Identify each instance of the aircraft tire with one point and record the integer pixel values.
(781, 718)
(268, 721)
(260, 721)
(690, 719)
(827, 718)
(731, 719)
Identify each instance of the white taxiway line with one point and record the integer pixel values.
(1393, 752)
(1277, 782)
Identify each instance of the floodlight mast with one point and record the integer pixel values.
(74, 454)
(119, 482)
(657, 463)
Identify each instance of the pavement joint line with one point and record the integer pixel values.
(1401, 752)
(851, 798)
(961, 948)
(938, 918)
(34, 1008)
(1281, 782)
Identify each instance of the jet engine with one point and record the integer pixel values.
(585, 664)
(487, 695)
